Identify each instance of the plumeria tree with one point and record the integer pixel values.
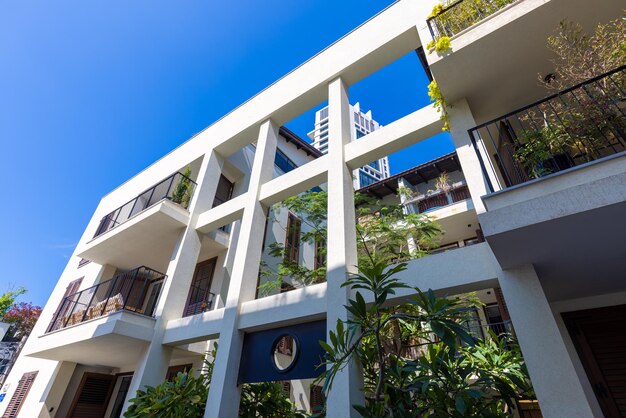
(418, 358)
(384, 230)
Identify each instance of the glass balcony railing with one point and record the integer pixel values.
(177, 188)
(454, 17)
(137, 291)
(575, 126)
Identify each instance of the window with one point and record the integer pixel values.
(292, 241)
(365, 179)
(360, 134)
(375, 165)
(283, 162)
(324, 113)
(200, 298)
(23, 387)
(224, 191)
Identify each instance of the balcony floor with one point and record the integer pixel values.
(147, 239)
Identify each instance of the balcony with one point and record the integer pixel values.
(154, 217)
(573, 127)
(504, 52)
(135, 291)
(438, 199)
(560, 187)
(95, 325)
(460, 15)
(200, 300)
(177, 188)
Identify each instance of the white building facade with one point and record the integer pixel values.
(172, 256)
(363, 125)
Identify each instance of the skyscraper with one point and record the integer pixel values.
(362, 125)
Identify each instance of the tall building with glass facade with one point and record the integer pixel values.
(362, 125)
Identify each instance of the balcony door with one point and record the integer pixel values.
(200, 299)
(600, 341)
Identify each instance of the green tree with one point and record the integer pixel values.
(186, 395)
(7, 299)
(418, 358)
(383, 230)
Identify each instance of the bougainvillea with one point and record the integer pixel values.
(23, 317)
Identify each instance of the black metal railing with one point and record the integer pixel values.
(178, 188)
(480, 330)
(575, 126)
(460, 15)
(8, 354)
(137, 290)
(200, 300)
(439, 199)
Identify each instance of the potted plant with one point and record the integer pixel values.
(182, 191)
(541, 152)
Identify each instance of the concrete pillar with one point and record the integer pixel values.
(152, 367)
(342, 254)
(411, 245)
(552, 372)
(461, 119)
(223, 400)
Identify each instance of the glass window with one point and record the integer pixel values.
(360, 134)
(365, 179)
(375, 165)
(283, 162)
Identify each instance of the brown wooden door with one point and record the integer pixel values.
(600, 339)
(92, 397)
(200, 298)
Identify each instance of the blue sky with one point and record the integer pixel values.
(91, 92)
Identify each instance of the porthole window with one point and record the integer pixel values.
(284, 352)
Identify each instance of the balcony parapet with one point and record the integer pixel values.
(438, 198)
(177, 188)
(457, 16)
(573, 127)
(136, 291)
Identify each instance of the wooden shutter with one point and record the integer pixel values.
(224, 191)
(285, 345)
(92, 397)
(23, 386)
(199, 292)
(320, 254)
(317, 399)
(504, 311)
(292, 241)
(286, 387)
(64, 306)
(173, 371)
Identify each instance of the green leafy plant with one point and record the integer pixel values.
(382, 228)
(538, 146)
(7, 299)
(449, 21)
(183, 189)
(447, 372)
(440, 104)
(186, 396)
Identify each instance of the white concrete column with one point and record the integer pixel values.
(411, 245)
(461, 119)
(152, 367)
(223, 400)
(342, 253)
(558, 388)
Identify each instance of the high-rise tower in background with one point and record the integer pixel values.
(362, 125)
